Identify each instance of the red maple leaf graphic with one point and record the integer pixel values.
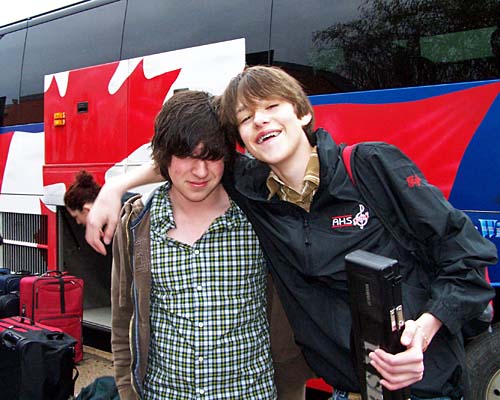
(114, 125)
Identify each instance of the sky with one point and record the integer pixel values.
(12, 11)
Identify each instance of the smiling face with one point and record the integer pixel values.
(194, 179)
(271, 131)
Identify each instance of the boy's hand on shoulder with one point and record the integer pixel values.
(103, 218)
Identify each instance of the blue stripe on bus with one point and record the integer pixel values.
(34, 128)
(394, 95)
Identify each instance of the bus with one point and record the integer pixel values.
(374, 70)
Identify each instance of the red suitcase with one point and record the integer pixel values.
(55, 299)
(23, 324)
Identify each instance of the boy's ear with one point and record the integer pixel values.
(306, 119)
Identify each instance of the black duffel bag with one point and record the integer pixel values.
(36, 363)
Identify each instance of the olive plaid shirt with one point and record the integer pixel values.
(209, 330)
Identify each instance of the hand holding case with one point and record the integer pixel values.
(377, 317)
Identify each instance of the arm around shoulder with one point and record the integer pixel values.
(103, 216)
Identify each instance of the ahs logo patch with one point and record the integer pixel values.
(360, 219)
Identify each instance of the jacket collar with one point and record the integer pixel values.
(328, 153)
(250, 175)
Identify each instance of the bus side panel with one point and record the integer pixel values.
(23, 217)
(445, 129)
(101, 118)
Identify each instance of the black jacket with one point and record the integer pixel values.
(306, 253)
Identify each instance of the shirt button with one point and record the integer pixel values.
(200, 325)
(197, 252)
(201, 391)
(200, 359)
(199, 288)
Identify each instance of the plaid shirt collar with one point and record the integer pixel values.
(162, 220)
(310, 184)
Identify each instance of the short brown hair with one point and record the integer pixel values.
(260, 83)
(82, 191)
(187, 119)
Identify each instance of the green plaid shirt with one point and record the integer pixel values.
(209, 330)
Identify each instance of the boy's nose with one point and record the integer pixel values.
(200, 168)
(260, 117)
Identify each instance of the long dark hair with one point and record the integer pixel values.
(188, 119)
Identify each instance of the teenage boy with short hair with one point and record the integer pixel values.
(291, 192)
(189, 276)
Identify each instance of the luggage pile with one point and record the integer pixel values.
(55, 299)
(40, 334)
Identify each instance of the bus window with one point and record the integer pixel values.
(11, 50)
(366, 44)
(156, 26)
(86, 38)
(294, 49)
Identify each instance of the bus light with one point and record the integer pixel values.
(59, 119)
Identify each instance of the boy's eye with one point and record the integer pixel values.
(273, 105)
(244, 119)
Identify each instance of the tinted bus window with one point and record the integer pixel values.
(11, 55)
(156, 26)
(294, 49)
(86, 38)
(361, 45)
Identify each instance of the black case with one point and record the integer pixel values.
(9, 282)
(36, 363)
(377, 317)
(9, 304)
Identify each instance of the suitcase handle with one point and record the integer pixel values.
(10, 339)
(23, 318)
(54, 273)
(55, 335)
(23, 272)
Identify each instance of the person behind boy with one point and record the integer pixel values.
(188, 275)
(293, 190)
(80, 196)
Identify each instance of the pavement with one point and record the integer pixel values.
(95, 363)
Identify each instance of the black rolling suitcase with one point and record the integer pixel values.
(9, 291)
(9, 304)
(10, 281)
(36, 361)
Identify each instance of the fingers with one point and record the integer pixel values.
(102, 219)
(405, 368)
(94, 234)
(93, 238)
(409, 333)
(109, 230)
(413, 336)
(399, 370)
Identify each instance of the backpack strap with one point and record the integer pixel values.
(346, 157)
